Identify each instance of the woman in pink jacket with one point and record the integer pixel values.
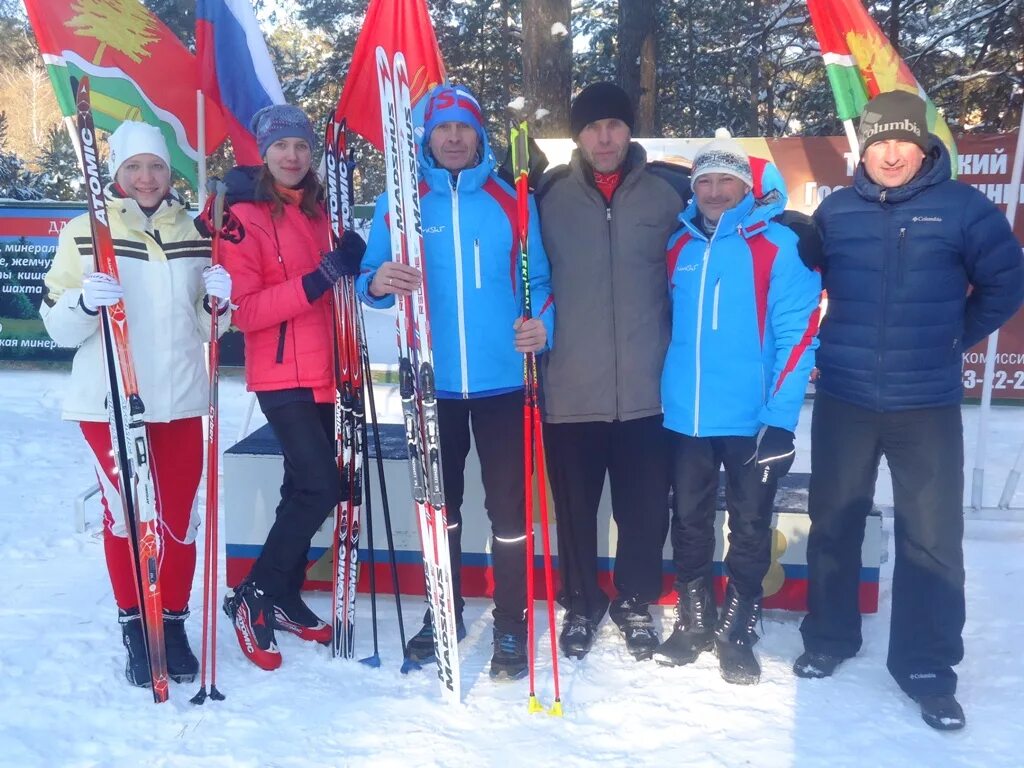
(283, 270)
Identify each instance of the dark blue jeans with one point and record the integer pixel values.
(924, 449)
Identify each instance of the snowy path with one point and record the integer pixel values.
(63, 700)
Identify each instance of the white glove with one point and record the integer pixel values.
(218, 282)
(100, 290)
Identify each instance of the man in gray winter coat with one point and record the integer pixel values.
(605, 219)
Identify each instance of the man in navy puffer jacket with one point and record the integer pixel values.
(902, 248)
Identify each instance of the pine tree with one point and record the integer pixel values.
(59, 177)
(16, 182)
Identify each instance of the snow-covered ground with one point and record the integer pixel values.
(64, 701)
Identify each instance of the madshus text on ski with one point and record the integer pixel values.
(609, 318)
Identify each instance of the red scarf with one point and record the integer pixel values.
(607, 183)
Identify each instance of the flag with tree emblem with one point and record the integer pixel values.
(861, 63)
(138, 70)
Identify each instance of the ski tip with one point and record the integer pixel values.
(410, 666)
(215, 694)
(534, 706)
(371, 661)
(556, 709)
(200, 697)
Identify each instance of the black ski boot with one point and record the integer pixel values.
(735, 638)
(136, 667)
(942, 711)
(577, 636)
(816, 665)
(291, 614)
(694, 628)
(636, 624)
(420, 647)
(509, 659)
(182, 664)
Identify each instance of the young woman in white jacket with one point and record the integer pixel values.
(165, 281)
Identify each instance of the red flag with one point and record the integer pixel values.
(396, 25)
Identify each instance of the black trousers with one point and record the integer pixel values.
(924, 449)
(311, 489)
(748, 504)
(497, 426)
(635, 457)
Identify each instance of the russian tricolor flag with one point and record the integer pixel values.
(235, 69)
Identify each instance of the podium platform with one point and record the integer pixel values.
(253, 471)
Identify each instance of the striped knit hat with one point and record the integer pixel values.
(723, 154)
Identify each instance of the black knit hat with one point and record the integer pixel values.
(599, 101)
(898, 115)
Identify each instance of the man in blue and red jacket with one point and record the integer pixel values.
(918, 268)
(479, 337)
(744, 319)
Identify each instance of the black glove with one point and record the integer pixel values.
(343, 261)
(231, 228)
(774, 453)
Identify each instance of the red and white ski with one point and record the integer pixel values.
(349, 410)
(125, 411)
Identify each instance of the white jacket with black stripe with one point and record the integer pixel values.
(160, 260)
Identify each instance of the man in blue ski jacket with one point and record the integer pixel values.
(479, 337)
(744, 319)
(918, 268)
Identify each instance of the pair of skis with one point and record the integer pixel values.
(125, 411)
(354, 389)
(533, 442)
(349, 409)
(415, 365)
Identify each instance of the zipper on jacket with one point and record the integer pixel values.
(281, 335)
(714, 307)
(700, 322)
(476, 262)
(459, 298)
(900, 260)
(881, 328)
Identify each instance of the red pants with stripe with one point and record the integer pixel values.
(176, 451)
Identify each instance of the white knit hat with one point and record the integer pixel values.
(723, 154)
(132, 138)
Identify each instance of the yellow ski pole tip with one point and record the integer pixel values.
(556, 709)
(534, 705)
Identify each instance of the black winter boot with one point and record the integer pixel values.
(420, 647)
(942, 711)
(694, 629)
(182, 664)
(735, 638)
(577, 636)
(509, 659)
(812, 665)
(636, 624)
(136, 667)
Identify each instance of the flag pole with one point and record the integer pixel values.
(851, 137)
(201, 146)
(978, 479)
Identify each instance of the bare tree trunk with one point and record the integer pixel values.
(894, 25)
(756, 80)
(638, 59)
(547, 63)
